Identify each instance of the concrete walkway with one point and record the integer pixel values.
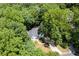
(55, 49)
(33, 33)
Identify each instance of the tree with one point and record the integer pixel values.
(75, 32)
(57, 25)
(15, 19)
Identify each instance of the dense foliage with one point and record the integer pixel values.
(75, 33)
(61, 24)
(15, 20)
(58, 22)
(57, 25)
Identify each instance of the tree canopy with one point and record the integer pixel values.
(58, 22)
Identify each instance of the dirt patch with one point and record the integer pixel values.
(40, 45)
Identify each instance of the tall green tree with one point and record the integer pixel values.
(57, 25)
